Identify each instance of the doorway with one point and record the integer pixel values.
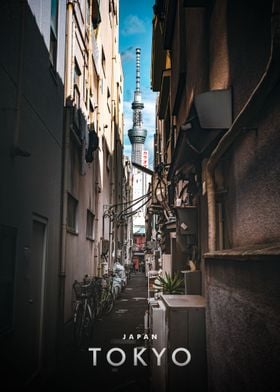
(36, 292)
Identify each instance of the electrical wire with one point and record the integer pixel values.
(131, 201)
(129, 214)
(134, 204)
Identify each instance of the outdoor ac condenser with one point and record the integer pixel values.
(158, 328)
(179, 321)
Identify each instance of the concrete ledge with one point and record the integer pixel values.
(251, 252)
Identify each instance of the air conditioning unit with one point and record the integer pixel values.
(158, 328)
(79, 123)
(179, 322)
(104, 246)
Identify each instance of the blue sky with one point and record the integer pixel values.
(135, 31)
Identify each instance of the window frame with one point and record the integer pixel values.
(73, 229)
(90, 233)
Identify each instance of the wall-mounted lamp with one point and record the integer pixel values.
(214, 109)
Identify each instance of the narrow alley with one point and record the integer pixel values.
(140, 136)
(75, 369)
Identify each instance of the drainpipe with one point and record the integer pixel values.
(16, 150)
(257, 99)
(66, 143)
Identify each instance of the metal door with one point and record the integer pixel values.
(36, 292)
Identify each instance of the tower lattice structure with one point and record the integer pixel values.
(137, 134)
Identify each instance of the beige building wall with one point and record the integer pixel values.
(93, 94)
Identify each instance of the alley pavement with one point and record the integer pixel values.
(75, 369)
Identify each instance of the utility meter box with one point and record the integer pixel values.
(187, 220)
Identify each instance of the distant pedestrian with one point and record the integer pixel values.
(135, 265)
(142, 266)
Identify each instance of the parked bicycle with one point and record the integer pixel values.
(107, 298)
(83, 313)
(94, 297)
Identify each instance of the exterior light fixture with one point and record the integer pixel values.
(214, 109)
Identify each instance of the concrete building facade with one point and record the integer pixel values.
(61, 167)
(93, 168)
(215, 65)
(32, 91)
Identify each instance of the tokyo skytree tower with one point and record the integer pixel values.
(137, 134)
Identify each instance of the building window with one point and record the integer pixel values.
(53, 32)
(90, 225)
(76, 82)
(108, 99)
(88, 13)
(72, 207)
(85, 85)
(103, 61)
(96, 17)
(108, 160)
(102, 86)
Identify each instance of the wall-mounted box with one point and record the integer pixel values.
(186, 220)
(192, 282)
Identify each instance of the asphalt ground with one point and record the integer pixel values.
(75, 370)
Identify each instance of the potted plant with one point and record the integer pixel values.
(168, 284)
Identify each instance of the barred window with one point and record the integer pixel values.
(72, 207)
(90, 225)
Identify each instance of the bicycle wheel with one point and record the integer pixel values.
(108, 303)
(78, 326)
(87, 327)
(82, 326)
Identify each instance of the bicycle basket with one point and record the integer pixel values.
(104, 283)
(82, 290)
(77, 287)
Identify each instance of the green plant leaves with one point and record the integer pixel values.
(168, 284)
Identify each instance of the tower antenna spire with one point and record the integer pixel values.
(137, 134)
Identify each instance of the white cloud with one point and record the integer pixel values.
(133, 25)
(128, 54)
(149, 115)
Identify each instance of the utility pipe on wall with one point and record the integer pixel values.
(270, 77)
(15, 148)
(66, 143)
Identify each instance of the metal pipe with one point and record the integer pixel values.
(66, 143)
(69, 49)
(68, 66)
(19, 79)
(258, 97)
